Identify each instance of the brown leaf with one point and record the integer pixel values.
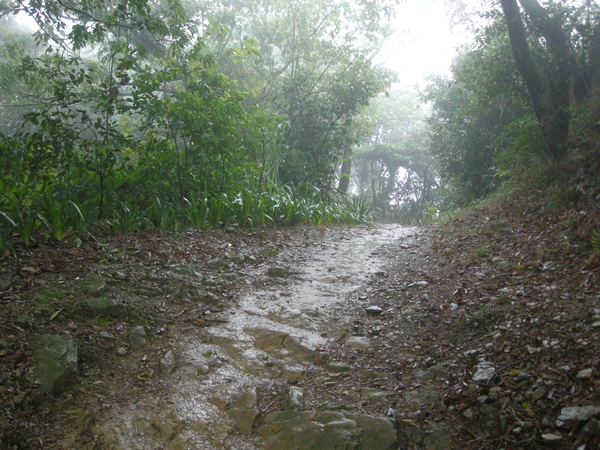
(200, 322)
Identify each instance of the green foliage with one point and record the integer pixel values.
(480, 119)
(25, 221)
(595, 239)
(132, 115)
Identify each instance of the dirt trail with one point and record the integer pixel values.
(211, 386)
(469, 334)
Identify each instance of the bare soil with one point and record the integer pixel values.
(516, 288)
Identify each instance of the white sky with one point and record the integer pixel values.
(424, 43)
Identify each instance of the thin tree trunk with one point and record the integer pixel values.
(344, 182)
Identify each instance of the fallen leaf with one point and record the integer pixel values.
(53, 316)
(200, 322)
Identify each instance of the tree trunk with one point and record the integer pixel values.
(550, 103)
(344, 182)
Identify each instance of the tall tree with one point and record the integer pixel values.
(558, 82)
(312, 69)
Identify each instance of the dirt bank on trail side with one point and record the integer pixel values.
(480, 333)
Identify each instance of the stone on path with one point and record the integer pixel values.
(216, 264)
(104, 306)
(485, 370)
(167, 363)
(246, 400)
(432, 374)
(282, 344)
(137, 336)
(570, 414)
(306, 430)
(358, 342)
(277, 272)
(436, 436)
(294, 399)
(55, 360)
(244, 418)
(374, 310)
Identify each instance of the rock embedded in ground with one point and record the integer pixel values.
(484, 371)
(108, 307)
(93, 285)
(56, 362)
(569, 414)
(294, 399)
(216, 264)
(585, 374)
(246, 400)
(244, 418)
(374, 310)
(277, 272)
(282, 344)
(358, 342)
(432, 374)
(435, 436)
(137, 336)
(167, 363)
(309, 430)
(329, 279)
(25, 321)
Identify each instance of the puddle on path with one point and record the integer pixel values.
(272, 337)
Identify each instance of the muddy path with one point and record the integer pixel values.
(472, 334)
(251, 351)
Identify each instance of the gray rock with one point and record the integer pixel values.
(244, 418)
(585, 374)
(247, 400)
(93, 285)
(167, 363)
(551, 437)
(327, 430)
(434, 436)
(438, 437)
(55, 362)
(421, 397)
(277, 272)
(202, 370)
(104, 306)
(484, 371)
(294, 398)
(216, 264)
(338, 367)
(592, 427)
(374, 310)
(106, 335)
(432, 374)
(358, 342)
(282, 344)
(329, 279)
(569, 414)
(137, 336)
(291, 373)
(297, 349)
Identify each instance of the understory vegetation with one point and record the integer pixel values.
(127, 115)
